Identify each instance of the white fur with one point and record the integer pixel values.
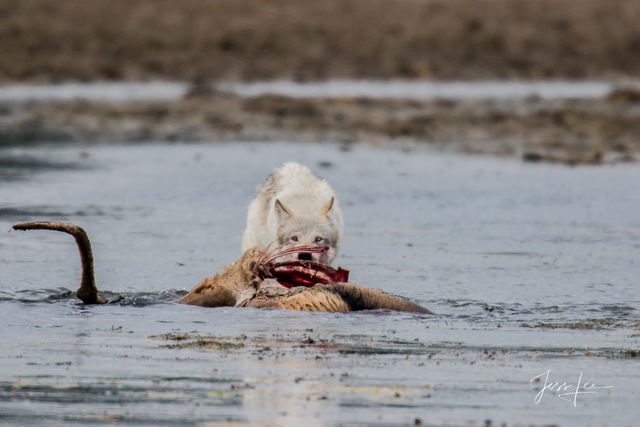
(304, 198)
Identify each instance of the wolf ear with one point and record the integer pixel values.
(281, 207)
(325, 210)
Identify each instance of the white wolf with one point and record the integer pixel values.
(293, 206)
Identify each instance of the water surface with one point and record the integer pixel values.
(377, 89)
(426, 90)
(98, 91)
(529, 267)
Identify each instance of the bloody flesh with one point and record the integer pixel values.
(303, 273)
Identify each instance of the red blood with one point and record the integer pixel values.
(303, 273)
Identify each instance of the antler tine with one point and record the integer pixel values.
(87, 292)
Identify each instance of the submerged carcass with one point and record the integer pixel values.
(257, 279)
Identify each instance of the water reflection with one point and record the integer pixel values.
(18, 166)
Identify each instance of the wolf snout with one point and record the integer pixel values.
(317, 256)
(304, 256)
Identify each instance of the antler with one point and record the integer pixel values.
(87, 292)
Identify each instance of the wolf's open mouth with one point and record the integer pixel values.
(306, 273)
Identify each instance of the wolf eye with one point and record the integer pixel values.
(294, 238)
(319, 239)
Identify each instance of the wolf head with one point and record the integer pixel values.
(309, 228)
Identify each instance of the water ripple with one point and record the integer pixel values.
(61, 294)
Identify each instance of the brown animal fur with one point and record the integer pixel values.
(238, 285)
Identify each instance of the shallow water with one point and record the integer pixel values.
(426, 90)
(103, 91)
(529, 267)
(406, 89)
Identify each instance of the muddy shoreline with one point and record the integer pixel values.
(53, 41)
(249, 40)
(569, 131)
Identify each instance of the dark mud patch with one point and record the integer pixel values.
(623, 354)
(421, 352)
(587, 324)
(625, 95)
(205, 342)
(471, 354)
(567, 131)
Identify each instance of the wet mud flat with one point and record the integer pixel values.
(530, 267)
(579, 130)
